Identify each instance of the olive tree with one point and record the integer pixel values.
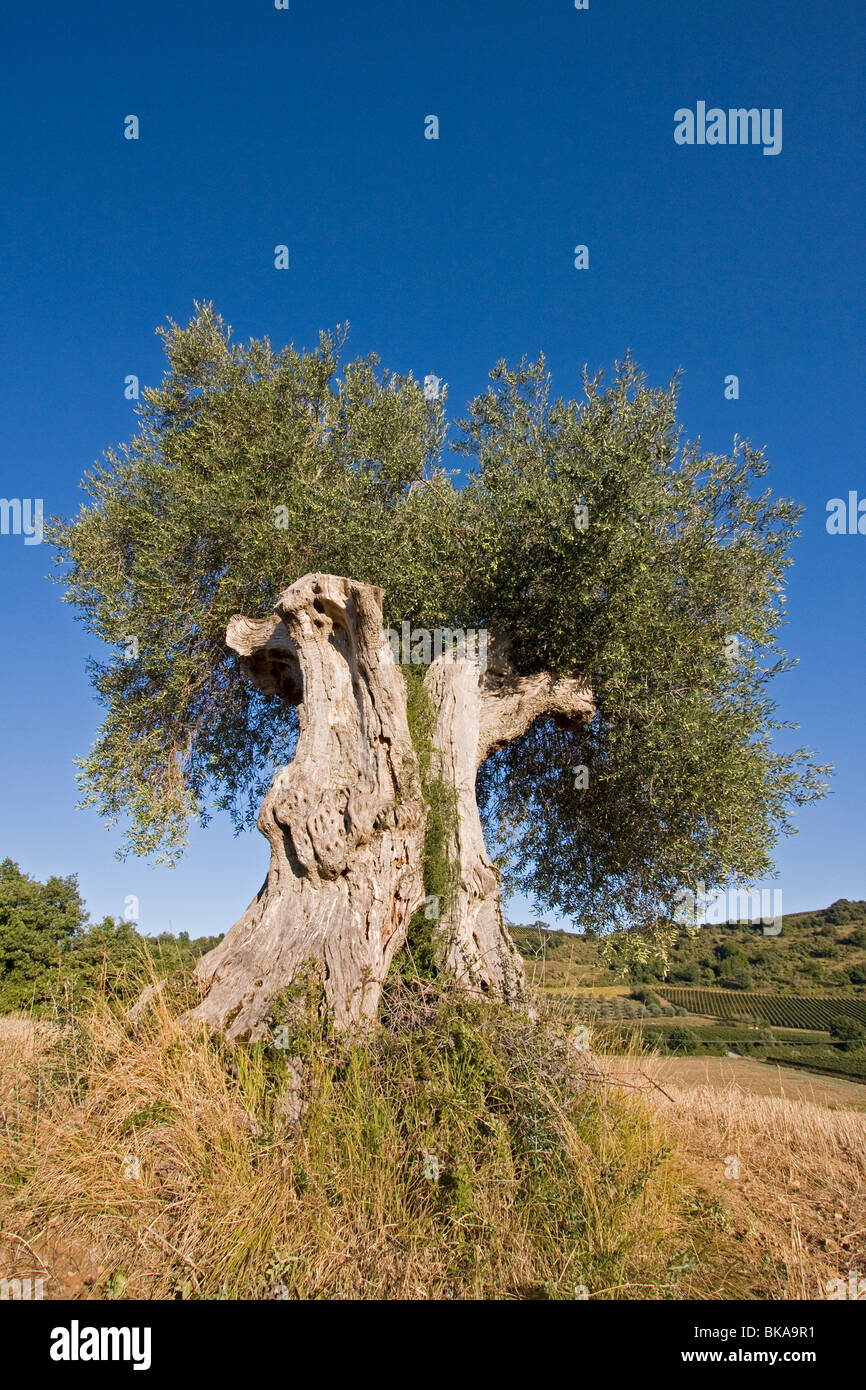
(533, 643)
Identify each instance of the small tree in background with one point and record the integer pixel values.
(850, 1034)
(39, 923)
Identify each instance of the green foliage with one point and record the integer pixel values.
(780, 965)
(689, 973)
(48, 947)
(680, 554)
(681, 1040)
(251, 467)
(733, 970)
(646, 996)
(38, 926)
(739, 955)
(848, 1031)
(844, 911)
(735, 976)
(538, 942)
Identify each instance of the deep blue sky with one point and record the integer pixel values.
(306, 127)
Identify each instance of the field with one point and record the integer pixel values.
(743, 1074)
(784, 1011)
(750, 984)
(148, 1162)
(153, 1161)
(785, 1153)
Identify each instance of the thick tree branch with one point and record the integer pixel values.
(478, 711)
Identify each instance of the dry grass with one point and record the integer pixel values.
(156, 1163)
(159, 1164)
(797, 1191)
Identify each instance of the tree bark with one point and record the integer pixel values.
(346, 819)
(479, 709)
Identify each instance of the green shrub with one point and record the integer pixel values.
(679, 1039)
(848, 1033)
(645, 995)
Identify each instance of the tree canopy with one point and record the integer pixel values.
(591, 533)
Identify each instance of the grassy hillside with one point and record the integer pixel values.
(820, 951)
(797, 998)
(463, 1152)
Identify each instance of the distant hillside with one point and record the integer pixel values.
(819, 950)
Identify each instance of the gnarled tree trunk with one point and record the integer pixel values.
(346, 819)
